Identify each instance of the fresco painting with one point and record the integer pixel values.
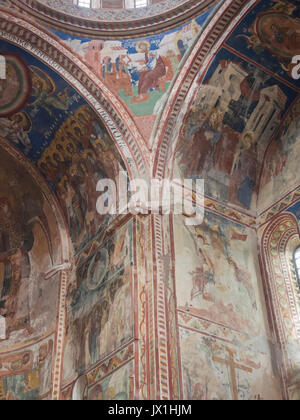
(216, 370)
(28, 301)
(80, 155)
(52, 125)
(139, 71)
(280, 171)
(221, 277)
(225, 341)
(244, 120)
(27, 375)
(235, 113)
(15, 88)
(116, 386)
(23, 227)
(270, 35)
(43, 100)
(100, 319)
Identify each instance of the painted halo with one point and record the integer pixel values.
(280, 34)
(15, 89)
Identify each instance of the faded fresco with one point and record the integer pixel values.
(224, 336)
(281, 166)
(117, 386)
(226, 367)
(29, 248)
(26, 375)
(234, 115)
(100, 315)
(27, 299)
(55, 128)
(221, 284)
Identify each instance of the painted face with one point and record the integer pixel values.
(213, 118)
(37, 84)
(78, 132)
(17, 119)
(43, 352)
(26, 359)
(59, 147)
(56, 157)
(70, 148)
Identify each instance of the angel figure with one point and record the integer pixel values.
(44, 90)
(16, 129)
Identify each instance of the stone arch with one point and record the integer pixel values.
(43, 282)
(279, 240)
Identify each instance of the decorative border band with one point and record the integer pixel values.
(111, 24)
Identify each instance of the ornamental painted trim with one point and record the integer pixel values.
(282, 205)
(107, 367)
(188, 80)
(102, 370)
(107, 24)
(278, 288)
(46, 47)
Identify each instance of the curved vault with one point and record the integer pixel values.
(47, 48)
(205, 130)
(63, 136)
(34, 247)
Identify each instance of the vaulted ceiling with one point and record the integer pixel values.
(195, 96)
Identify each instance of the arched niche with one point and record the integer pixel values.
(34, 248)
(279, 241)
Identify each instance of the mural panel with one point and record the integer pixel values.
(100, 318)
(270, 35)
(235, 112)
(215, 369)
(55, 128)
(219, 268)
(280, 172)
(225, 343)
(27, 375)
(27, 300)
(115, 387)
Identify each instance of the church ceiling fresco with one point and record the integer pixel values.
(222, 333)
(280, 173)
(244, 96)
(139, 71)
(227, 130)
(270, 35)
(55, 128)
